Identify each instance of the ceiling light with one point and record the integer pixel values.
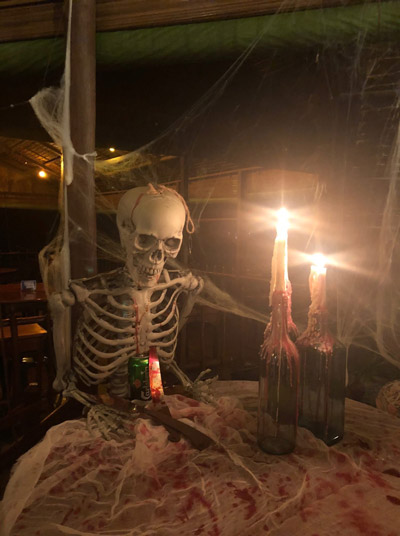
(42, 174)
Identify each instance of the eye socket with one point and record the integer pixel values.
(172, 243)
(145, 241)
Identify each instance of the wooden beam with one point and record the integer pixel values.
(19, 21)
(81, 193)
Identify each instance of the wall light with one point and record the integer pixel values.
(42, 174)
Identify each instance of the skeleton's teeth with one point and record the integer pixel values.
(149, 271)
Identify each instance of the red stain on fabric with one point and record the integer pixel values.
(360, 520)
(394, 500)
(223, 433)
(195, 496)
(340, 458)
(214, 531)
(282, 491)
(378, 480)
(367, 459)
(244, 495)
(305, 514)
(324, 488)
(192, 403)
(345, 476)
(359, 492)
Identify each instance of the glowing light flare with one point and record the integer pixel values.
(279, 272)
(317, 282)
(42, 174)
(111, 149)
(282, 224)
(319, 262)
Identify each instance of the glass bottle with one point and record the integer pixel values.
(278, 383)
(322, 380)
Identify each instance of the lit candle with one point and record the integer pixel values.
(279, 272)
(156, 387)
(317, 283)
(323, 365)
(279, 366)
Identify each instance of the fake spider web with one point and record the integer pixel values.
(351, 212)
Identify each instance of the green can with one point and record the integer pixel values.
(138, 377)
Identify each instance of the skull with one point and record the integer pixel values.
(150, 223)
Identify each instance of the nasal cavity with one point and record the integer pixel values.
(156, 256)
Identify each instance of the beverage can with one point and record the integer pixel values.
(138, 377)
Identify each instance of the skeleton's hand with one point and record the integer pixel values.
(197, 284)
(201, 388)
(109, 422)
(192, 283)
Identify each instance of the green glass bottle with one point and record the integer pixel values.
(322, 380)
(278, 384)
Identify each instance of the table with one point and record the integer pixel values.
(12, 301)
(12, 294)
(73, 483)
(7, 271)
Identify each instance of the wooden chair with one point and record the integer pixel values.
(25, 370)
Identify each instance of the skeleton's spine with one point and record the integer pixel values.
(118, 382)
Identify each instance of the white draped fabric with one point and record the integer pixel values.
(76, 484)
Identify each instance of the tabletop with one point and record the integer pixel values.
(143, 484)
(12, 293)
(6, 271)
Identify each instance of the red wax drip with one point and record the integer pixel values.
(317, 333)
(276, 336)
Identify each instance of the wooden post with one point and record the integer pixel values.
(184, 191)
(81, 193)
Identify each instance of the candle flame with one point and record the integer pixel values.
(282, 223)
(319, 262)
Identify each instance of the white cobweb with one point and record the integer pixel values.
(356, 218)
(352, 217)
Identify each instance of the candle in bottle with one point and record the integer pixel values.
(279, 271)
(278, 383)
(323, 366)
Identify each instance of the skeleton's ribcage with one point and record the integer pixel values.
(113, 328)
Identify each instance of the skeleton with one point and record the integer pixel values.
(129, 310)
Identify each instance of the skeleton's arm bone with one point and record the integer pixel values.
(196, 285)
(59, 305)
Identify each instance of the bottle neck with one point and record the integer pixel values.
(281, 319)
(317, 332)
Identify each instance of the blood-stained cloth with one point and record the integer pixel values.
(76, 484)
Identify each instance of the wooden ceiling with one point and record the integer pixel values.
(300, 129)
(23, 19)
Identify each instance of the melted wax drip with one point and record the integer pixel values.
(317, 334)
(318, 337)
(276, 336)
